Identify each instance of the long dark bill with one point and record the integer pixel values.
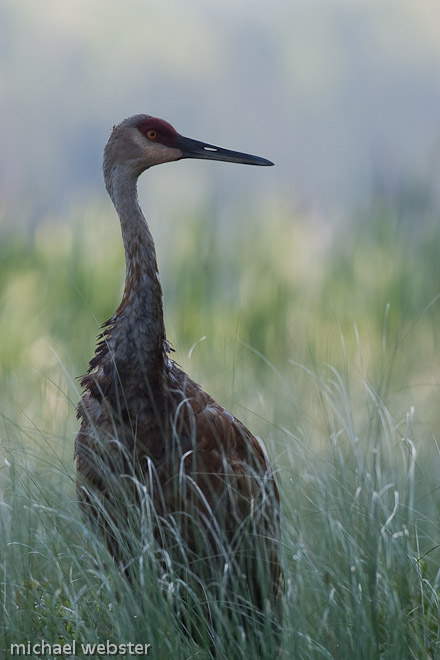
(195, 149)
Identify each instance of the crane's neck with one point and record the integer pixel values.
(137, 336)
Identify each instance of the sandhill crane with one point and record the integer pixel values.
(149, 431)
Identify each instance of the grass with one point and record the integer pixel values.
(327, 349)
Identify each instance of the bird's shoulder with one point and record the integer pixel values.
(216, 430)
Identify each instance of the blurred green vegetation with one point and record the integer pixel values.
(323, 339)
(264, 291)
(322, 336)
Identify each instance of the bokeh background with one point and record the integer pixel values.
(344, 96)
(303, 297)
(339, 239)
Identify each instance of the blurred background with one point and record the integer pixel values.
(343, 96)
(331, 256)
(304, 297)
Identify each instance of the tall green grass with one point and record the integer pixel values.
(325, 345)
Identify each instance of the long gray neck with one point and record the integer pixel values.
(137, 337)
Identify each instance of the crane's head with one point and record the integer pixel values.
(142, 141)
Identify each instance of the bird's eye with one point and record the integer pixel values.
(151, 134)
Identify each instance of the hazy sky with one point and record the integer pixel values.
(340, 94)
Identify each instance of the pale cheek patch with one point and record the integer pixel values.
(158, 153)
